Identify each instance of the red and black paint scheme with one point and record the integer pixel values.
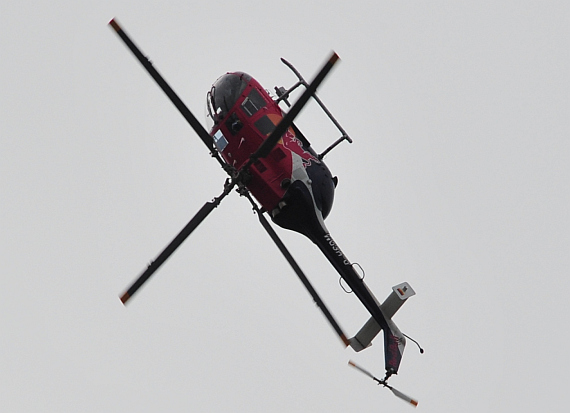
(244, 115)
(292, 183)
(268, 158)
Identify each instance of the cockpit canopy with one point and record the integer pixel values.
(224, 94)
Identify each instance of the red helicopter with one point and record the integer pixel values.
(269, 159)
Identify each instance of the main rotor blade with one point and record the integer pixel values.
(299, 273)
(174, 244)
(269, 143)
(182, 108)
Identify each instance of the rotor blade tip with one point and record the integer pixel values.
(414, 403)
(113, 23)
(124, 298)
(334, 58)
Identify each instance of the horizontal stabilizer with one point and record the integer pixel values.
(400, 293)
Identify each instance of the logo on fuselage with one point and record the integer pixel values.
(294, 144)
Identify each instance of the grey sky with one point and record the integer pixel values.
(457, 182)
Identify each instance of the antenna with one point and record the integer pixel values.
(384, 383)
(417, 344)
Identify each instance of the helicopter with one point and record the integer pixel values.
(272, 164)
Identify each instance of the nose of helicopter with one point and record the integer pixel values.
(224, 94)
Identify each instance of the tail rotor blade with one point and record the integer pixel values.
(402, 396)
(269, 143)
(396, 392)
(356, 366)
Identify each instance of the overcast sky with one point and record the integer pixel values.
(457, 182)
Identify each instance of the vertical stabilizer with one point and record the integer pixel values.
(400, 293)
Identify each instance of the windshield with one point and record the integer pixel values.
(225, 93)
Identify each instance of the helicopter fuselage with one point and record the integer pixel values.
(244, 114)
(292, 183)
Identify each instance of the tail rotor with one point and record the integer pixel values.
(384, 383)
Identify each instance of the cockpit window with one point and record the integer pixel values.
(225, 93)
(220, 140)
(253, 102)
